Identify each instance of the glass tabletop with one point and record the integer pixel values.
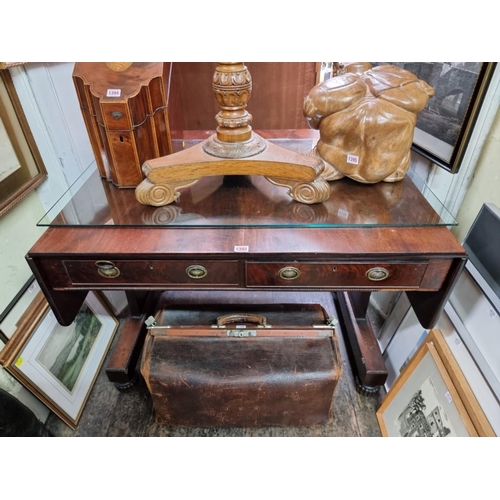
(251, 201)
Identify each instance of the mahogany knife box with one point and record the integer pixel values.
(219, 366)
(126, 113)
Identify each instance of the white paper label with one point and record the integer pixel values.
(240, 326)
(353, 159)
(32, 287)
(344, 214)
(113, 92)
(241, 248)
(448, 397)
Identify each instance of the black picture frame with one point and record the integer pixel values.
(444, 128)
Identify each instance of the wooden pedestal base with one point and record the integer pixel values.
(165, 176)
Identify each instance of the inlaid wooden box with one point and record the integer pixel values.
(125, 108)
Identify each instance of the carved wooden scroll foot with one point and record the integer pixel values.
(158, 195)
(316, 191)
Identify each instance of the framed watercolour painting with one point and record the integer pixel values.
(431, 398)
(60, 364)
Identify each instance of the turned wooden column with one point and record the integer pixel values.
(232, 85)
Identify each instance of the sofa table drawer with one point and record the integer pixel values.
(370, 275)
(152, 272)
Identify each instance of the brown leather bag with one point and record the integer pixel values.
(254, 366)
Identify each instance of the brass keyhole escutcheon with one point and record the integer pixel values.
(377, 273)
(107, 269)
(196, 272)
(289, 273)
(116, 115)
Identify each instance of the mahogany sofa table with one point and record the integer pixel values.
(242, 233)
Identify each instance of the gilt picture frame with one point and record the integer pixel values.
(60, 364)
(21, 167)
(431, 397)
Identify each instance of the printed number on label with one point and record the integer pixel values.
(113, 93)
(353, 159)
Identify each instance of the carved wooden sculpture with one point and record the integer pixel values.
(234, 150)
(366, 118)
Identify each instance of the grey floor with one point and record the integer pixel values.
(109, 412)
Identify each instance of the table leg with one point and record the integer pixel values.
(365, 357)
(121, 367)
(428, 306)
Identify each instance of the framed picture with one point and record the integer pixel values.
(60, 364)
(445, 126)
(21, 165)
(431, 397)
(11, 314)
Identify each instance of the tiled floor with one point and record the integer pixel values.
(109, 412)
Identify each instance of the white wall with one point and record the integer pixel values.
(18, 231)
(52, 109)
(485, 184)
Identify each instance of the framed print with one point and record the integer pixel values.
(14, 310)
(21, 165)
(431, 398)
(60, 364)
(444, 127)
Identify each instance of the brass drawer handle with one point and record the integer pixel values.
(196, 272)
(289, 273)
(377, 273)
(107, 269)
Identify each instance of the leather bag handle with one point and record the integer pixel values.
(241, 318)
